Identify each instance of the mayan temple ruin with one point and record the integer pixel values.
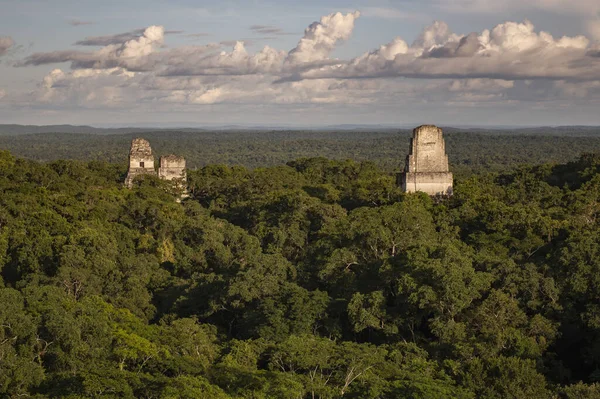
(426, 166)
(172, 167)
(141, 162)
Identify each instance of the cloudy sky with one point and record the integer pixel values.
(310, 62)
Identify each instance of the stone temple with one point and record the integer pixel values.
(141, 162)
(426, 167)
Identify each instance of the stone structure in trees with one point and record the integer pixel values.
(141, 162)
(172, 167)
(426, 167)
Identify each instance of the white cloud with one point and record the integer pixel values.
(139, 52)
(144, 45)
(131, 54)
(86, 87)
(508, 63)
(435, 34)
(321, 37)
(236, 62)
(508, 51)
(587, 10)
(210, 96)
(485, 85)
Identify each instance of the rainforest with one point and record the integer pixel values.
(313, 278)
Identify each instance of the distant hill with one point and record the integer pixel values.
(469, 150)
(573, 131)
(15, 130)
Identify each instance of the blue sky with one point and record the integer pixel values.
(483, 62)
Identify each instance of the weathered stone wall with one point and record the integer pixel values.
(431, 183)
(172, 167)
(141, 160)
(427, 151)
(426, 166)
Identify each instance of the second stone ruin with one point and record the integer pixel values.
(141, 162)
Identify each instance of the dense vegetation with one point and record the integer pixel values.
(469, 151)
(317, 279)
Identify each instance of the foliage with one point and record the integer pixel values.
(315, 279)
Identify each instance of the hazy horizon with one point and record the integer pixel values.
(383, 126)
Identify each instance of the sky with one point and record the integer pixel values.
(300, 63)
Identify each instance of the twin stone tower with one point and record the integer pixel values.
(141, 162)
(426, 166)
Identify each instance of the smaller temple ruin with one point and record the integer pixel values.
(141, 162)
(172, 167)
(426, 166)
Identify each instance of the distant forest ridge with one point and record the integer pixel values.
(469, 150)
(16, 129)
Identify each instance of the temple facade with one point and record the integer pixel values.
(426, 166)
(141, 161)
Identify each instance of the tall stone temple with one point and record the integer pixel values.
(141, 162)
(426, 166)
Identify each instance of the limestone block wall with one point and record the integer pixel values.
(141, 160)
(427, 151)
(172, 167)
(431, 183)
(426, 166)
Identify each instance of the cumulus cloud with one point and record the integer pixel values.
(132, 53)
(508, 62)
(6, 42)
(137, 51)
(321, 37)
(143, 45)
(110, 39)
(391, 50)
(86, 87)
(434, 35)
(119, 38)
(587, 10)
(235, 62)
(509, 51)
(486, 85)
(313, 49)
(464, 47)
